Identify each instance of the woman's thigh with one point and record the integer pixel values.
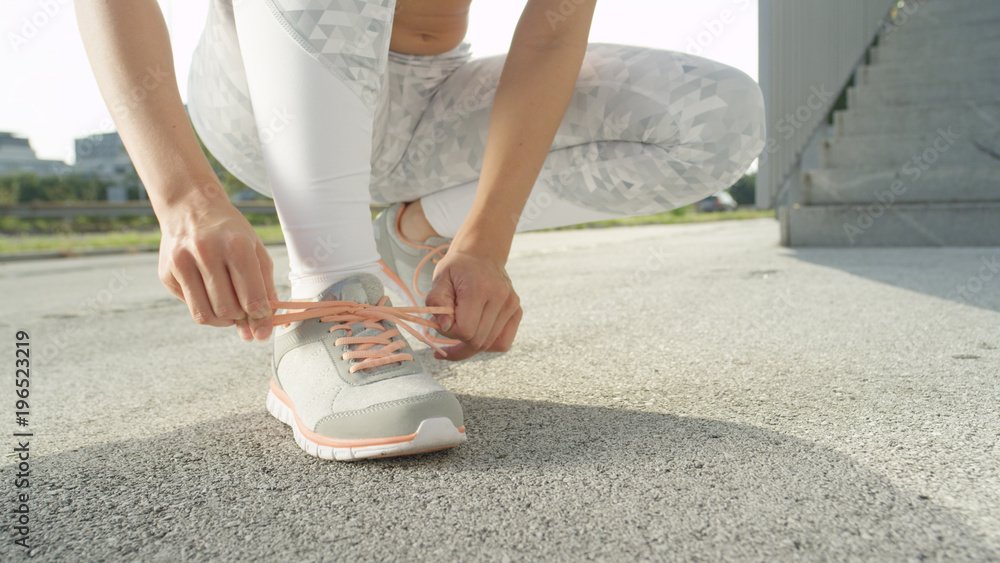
(646, 130)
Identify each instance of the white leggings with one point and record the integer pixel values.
(313, 94)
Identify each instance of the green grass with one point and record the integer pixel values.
(68, 243)
(138, 239)
(677, 216)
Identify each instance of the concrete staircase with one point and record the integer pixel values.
(915, 159)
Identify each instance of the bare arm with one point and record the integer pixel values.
(210, 256)
(130, 54)
(535, 88)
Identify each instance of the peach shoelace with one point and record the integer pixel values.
(376, 350)
(435, 255)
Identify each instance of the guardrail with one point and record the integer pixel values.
(809, 50)
(70, 209)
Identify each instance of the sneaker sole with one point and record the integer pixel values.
(432, 434)
(392, 283)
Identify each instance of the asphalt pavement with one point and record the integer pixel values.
(689, 392)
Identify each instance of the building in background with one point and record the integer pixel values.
(883, 121)
(104, 156)
(17, 157)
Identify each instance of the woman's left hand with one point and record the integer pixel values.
(487, 310)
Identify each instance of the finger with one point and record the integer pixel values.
(510, 307)
(221, 294)
(196, 297)
(469, 307)
(457, 352)
(243, 329)
(487, 320)
(506, 337)
(173, 286)
(245, 271)
(442, 294)
(267, 270)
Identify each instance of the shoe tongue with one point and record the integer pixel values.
(362, 288)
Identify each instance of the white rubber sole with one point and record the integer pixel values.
(433, 434)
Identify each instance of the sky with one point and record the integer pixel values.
(48, 94)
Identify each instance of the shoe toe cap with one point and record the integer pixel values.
(396, 418)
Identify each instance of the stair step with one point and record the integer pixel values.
(946, 14)
(940, 7)
(964, 34)
(946, 69)
(963, 117)
(937, 184)
(900, 224)
(978, 49)
(932, 93)
(874, 152)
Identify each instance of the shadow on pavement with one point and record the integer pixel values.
(536, 480)
(970, 276)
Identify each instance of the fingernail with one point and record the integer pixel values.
(263, 333)
(444, 322)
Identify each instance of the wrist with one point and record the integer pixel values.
(188, 202)
(484, 240)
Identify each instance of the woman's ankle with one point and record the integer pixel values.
(413, 225)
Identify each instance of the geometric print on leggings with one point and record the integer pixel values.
(219, 100)
(645, 131)
(349, 37)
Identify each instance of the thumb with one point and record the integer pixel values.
(442, 294)
(267, 271)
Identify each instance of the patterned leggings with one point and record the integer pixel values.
(316, 112)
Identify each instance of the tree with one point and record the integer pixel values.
(744, 191)
(230, 183)
(27, 188)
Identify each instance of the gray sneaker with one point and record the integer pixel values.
(408, 267)
(351, 389)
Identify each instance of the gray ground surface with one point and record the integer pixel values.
(685, 392)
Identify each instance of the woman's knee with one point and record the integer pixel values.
(719, 121)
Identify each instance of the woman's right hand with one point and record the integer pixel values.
(213, 260)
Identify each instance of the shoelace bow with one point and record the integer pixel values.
(435, 256)
(376, 350)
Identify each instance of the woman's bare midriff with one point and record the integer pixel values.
(429, 27)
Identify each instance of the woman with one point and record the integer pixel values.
(326, 105)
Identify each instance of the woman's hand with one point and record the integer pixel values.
(213, 260)
(487, 310)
